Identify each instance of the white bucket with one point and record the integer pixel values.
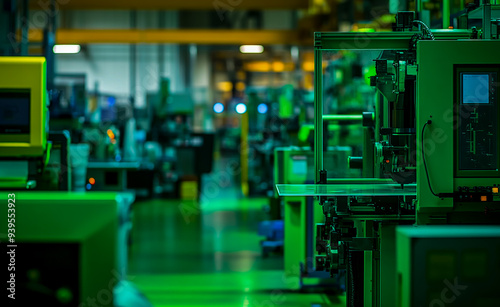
(79, 156)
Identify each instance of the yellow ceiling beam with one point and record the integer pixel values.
(174, 36)
(226, 5)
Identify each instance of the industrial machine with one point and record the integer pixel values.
(295, 165)
(176, 144)
(31, 156)
(71, 247)
(442, 264)
(24, 120)
(430, 158)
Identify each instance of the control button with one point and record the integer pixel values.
(494, 190)
(484, 198)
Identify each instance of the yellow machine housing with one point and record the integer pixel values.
(24, 79)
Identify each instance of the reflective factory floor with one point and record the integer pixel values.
(208, 254)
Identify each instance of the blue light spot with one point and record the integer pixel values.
(218, 108)
(241, 108)
(89, 186)
(262, 108)
(111, 101)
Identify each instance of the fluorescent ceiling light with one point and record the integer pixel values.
(66, 48)
(251, 49)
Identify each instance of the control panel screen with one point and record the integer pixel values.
(475, 88)
(14, 112)
(477, 113)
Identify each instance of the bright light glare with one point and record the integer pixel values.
(262, 108)
(218, 108)
(66, 48)
(241, 108)
(251, 49)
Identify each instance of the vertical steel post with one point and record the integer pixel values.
(318, 106)
(49, 41)
(133, 59)
(446, 14)
(244, 154)
(161, 47)
(486, 20)
(24, 28)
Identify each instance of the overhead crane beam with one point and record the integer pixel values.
(174, 36)
(175, 5)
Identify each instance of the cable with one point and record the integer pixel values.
(440, 195)
(423, 157)
(425, 28)
(352, 297)
(414, 39)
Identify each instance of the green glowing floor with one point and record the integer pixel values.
(208, 254)
(259, 288)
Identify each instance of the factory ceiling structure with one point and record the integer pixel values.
(313, 10)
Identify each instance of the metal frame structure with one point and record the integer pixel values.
(372, 245)
(325, 41)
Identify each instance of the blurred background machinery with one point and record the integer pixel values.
(255, 153)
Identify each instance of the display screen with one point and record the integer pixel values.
(475, 88)
(14, 112)
(477, 115)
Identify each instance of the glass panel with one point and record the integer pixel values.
(346, 190)
(346, 95)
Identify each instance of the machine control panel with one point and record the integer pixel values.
(477, 120)
(477, 194)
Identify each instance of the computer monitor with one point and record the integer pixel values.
(23, 107)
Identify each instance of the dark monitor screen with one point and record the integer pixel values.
(14, 111)
(475, 88)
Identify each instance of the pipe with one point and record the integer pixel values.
(342, 117)
(446, 14)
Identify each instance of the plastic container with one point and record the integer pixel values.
(79, 156)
